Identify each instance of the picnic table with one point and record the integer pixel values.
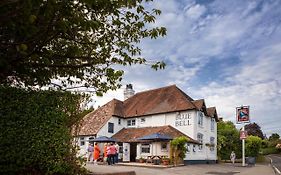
(154, 159)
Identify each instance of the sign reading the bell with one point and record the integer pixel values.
(243, 135)
(243, 114)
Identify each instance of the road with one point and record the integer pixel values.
(276, 161)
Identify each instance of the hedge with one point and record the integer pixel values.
(35, 136)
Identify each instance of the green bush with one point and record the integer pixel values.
(178, 149)
(35, 135)
(269, 150)
(253, 145)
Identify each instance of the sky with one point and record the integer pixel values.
(226, 52)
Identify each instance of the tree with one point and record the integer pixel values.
(77, 42)
(254, 129)
(273, 137)
(228, 140)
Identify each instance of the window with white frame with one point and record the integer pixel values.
(188, 148)
(131, 122)
(145, 148)
(119, 121)
(194, 148)
(164, 146)
(212, 143)
(82, 141)
(142, 120)
(200, 140)
(110, 127)
(200, 119)
(212, 124)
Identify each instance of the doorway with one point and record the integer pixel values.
(133, 152)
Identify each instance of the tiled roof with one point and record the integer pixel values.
(132, 134)
(212, 112)
(156, 101)
(161, 100)
(93, 121)
(200, 105)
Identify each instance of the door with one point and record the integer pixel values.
(126, 152)
(133, 152)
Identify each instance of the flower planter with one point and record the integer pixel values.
(165, 162)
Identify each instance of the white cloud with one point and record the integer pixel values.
(195, 11)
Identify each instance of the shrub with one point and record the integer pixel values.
(178, 149)
(253, 145)
(35, 135)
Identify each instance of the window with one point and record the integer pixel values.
(145, 148)
(188, 148)
(164, 146)
(194, 148)
(110, 127)
(131, 122)
(82, 141)
(212, 143)
(212, 124)
(142, 120)
(200, 119)
(200, 140)
(119, 121)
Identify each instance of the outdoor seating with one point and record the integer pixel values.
(151, 159)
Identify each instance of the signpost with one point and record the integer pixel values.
(242, 117)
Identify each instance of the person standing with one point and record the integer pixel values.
(105, 153)
(111, 154)
(117, 152)
(108, 153)
(232, 157)
(90, 153)
(96, 153)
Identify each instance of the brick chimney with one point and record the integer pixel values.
(129, 91)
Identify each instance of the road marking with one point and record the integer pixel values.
(274, 167)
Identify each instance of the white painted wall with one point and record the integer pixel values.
(155, 149)
(117, 127)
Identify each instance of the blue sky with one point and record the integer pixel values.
(227, 52)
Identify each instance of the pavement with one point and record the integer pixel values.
(210, 169)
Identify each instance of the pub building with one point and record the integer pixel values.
(166, 111)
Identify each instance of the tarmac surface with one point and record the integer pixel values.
(276, 162)
(210, 169)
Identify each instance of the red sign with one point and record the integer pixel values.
(243, 135)
(243, 114)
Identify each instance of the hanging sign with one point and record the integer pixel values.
(243, 114)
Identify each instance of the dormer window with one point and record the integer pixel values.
(131, 122)
(142, 120)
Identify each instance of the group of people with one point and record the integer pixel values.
(110, 153)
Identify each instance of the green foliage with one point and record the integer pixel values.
(274, 137)
(35, 135)
(228, 140)
(78, 42)
(269, 150)
(178, 149)
(253, 145)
